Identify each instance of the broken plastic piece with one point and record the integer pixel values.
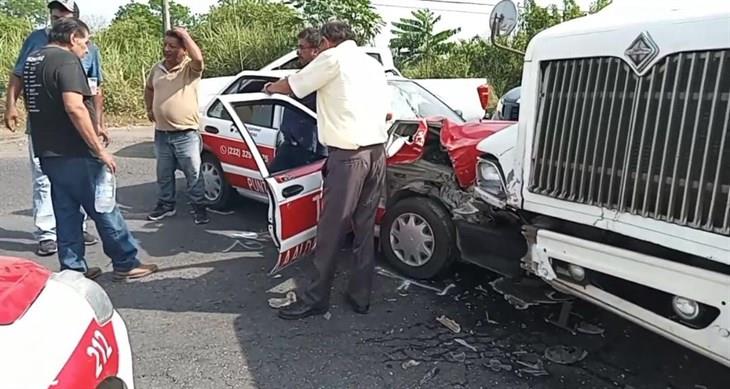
(456, 357)
(481, 289)
(465, 344)
(450, 324)
(522, 294)
(589, 329)
(387, 273)
(490, 321)
(430, 375)
(277, 302)
(446, 290)
(565, 355)
(403, 288)
(327, 316)
(409, 364)
(496, 365)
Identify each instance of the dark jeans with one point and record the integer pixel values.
(73, 185)
(353, 186)
(179, 150)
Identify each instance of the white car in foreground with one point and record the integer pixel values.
(59, 331)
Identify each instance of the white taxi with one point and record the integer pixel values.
(59, 331)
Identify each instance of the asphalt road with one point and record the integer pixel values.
(204, 321)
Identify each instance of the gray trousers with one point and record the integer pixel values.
(354, 181)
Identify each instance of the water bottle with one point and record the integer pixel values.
(106, 191)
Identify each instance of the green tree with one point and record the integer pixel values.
(246, 34)
(414, 39)
(34, 11)
(598, 5)
(360, 14)
(149, 16)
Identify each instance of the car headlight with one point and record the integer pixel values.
(490, 184)
(91, 291)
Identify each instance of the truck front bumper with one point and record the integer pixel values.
(550, 252)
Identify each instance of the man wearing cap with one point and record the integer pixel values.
(44, 218)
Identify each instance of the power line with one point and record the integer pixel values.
(457, 2)
(432, 9)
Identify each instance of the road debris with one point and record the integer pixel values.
(279, 302)
(531, 364)
(284, 288)
(589, 329)
(481, 289)
(403, 288)
(565, 355)
(459, 357)
(446, 290)
(430, 375)
(409, 364)
(522, 294)
(450, 324)
(222, 213)
(465, 344)
(248, 246)
(496, 365)
(406, 282)
(490, 321)
(328, 316)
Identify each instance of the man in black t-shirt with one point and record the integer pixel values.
(73, 157)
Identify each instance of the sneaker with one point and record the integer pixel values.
(161, 212)
(92, 273)
(47, 248)
(140, 271)
(201, 215)
(90, 239)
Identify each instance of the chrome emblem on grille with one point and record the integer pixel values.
(642, 51)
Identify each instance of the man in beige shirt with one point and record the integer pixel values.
(171, 98)
(352, 105)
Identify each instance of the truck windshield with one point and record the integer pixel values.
(410, 100)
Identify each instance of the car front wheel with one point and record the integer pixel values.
(217, 191)
(418, 238)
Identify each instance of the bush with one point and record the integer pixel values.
(128, 54)
(13, 32)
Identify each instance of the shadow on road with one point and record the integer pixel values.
(14, 241)
(139, 150)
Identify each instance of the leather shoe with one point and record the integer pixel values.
(360, 309)
(299, 310)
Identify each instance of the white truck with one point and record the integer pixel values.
(619, 168)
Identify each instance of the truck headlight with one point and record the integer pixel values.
(91, 291)
(490, 184)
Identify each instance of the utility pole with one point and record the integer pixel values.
(166, 15)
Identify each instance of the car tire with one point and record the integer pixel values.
(407, 227)
(218, 191)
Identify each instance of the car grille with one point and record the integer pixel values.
(654, 145)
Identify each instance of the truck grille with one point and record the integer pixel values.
(654, 145)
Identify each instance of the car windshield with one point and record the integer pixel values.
(410, 100)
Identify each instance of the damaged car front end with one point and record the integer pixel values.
(433, 217)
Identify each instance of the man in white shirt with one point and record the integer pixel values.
(352, 105)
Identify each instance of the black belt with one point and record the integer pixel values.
(369, 147)
(177, 131)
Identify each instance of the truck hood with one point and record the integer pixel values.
(461, 140)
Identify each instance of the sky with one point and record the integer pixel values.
(470, 15)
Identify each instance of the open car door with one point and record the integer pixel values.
(295, 195)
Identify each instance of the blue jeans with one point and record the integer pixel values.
(45, 222)
(73, 185)
(179, 150)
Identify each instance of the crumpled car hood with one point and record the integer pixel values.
(461, 140)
